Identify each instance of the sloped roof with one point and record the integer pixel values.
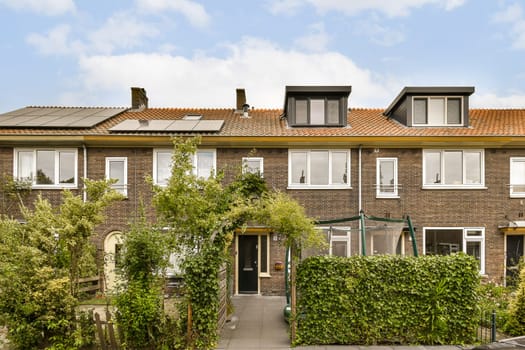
(362, 122)
(57, 117)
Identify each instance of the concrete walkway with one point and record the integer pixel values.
(257, 323)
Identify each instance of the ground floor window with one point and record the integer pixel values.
(449, 240)
(264, 253)
(339, 240)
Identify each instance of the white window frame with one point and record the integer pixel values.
(395, 185)
(464, 184)
(121, 188)
(56, 181)
(307, 184)
(445, 111)
(337, 238)
(154, 173)
(252, 159)
(265, 236)
(465, 238)
(513, 184)
(194, 160)
(214, 161)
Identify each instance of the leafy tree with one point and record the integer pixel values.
(40, 265)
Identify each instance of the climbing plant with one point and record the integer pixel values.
(200, 216)
(196, 214)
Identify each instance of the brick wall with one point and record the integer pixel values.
(487, 208)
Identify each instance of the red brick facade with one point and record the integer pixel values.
(369, 135)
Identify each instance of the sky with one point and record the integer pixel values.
(195, 53)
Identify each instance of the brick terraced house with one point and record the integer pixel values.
(459, 173)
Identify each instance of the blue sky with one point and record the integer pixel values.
(192, 53)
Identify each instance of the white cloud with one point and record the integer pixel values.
(513, 15)
(55, 42)
(194, 12)
(492, 100)
(379, 34)
(285, 6)
(316, 41)
(259, 66)
(121, 31)
(45, 7)
(387, 7)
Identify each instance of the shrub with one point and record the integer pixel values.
(387, 300)
(515, 325)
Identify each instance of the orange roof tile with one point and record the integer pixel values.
(268, 122)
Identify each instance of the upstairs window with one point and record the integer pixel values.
(117, 169)
(317, 111)
(517, 177)
(453, 168)
(252, 165)
(316, 106)
(204, 164)
(46, 168)
(437, 111)
(319, 168)
(387, 186)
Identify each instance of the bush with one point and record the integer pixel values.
(515, 325)
(494, 298)
(139, 315)
(387, 300)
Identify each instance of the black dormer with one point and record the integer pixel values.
(431, 106)
(316, 105)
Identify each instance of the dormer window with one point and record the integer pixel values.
(442, 106)
(437, 111)
(317, 111)
(316, 106)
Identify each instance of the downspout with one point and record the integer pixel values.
(84, 193)
(359, 200)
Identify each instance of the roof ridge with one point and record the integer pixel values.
(77, 107)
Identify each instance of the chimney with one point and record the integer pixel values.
(241, 99)
(139, 100)
(242, 107)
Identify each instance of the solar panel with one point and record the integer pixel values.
(57, 117)
(168, 125)
(182, 125)
(209, 125)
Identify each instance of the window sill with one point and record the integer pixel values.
(517, 195)
(380, 196)
(265, 275)
(454, 187)
(319, 187)
(54, 187)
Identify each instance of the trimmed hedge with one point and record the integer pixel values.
(365, 300)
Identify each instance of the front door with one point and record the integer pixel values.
(248, 262)
(514, 256)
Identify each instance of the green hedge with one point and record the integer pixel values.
(387, 300)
